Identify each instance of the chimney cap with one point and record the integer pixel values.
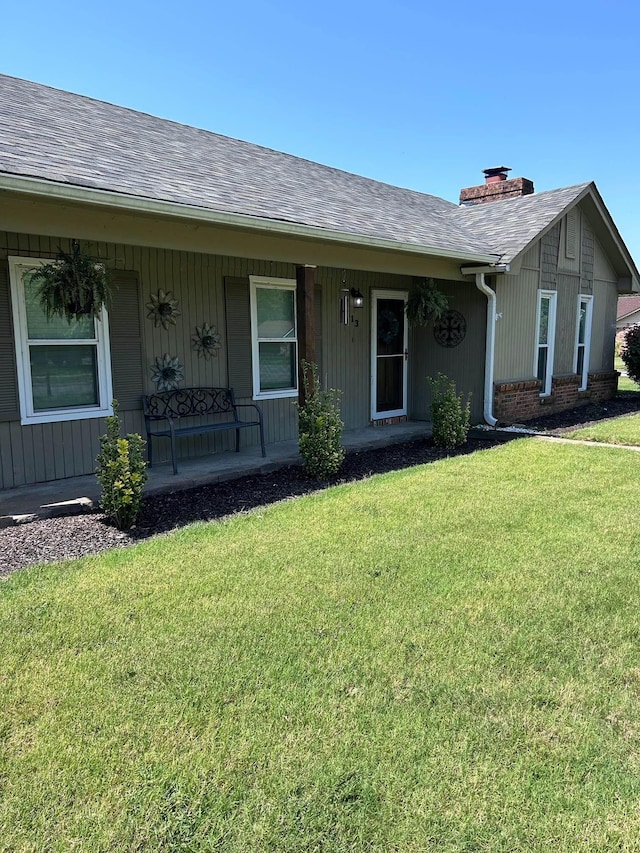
(494, 171)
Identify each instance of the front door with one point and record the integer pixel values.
(389, 354)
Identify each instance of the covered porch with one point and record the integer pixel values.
(79, 494)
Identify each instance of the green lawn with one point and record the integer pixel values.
(624, 383)
(623, 430)
(441, 659)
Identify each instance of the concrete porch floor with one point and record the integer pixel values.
(77, 494)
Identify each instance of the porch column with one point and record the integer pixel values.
(305, 318)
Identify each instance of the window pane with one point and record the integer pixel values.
(582, 322)
(580, 365)
(276, 313)
(542, 364)
(277, 366)
(64, 377)
(38, 327)
(543, 331)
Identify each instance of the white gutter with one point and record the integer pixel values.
(489, 352)
(139, 204)
(490, 346)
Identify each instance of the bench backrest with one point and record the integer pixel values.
(184, 402)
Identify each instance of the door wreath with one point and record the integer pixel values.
(388, 326)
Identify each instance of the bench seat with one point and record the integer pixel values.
(167, 415)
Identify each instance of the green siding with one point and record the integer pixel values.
(566, 318)
(464, 363)
(516, 304)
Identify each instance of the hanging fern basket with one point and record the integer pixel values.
(73, 286)
(426, 302)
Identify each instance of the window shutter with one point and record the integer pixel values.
(238, 320)
(125, 330)
(318, 336)
(9, 404)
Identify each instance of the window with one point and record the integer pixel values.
(546, 326)
(274, 339)
(63, 368)
(583, 339)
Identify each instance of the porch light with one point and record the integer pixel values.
(357, 297)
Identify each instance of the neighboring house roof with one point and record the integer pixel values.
(627, 305)
(67, 143)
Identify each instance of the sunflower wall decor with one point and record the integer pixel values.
(167, 372)
(206, 341)
(163, 308)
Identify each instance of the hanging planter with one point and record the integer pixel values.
(73, 286)
(427, 302)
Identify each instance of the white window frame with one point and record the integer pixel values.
(18, 266)
(584, 377)
(258, 282)
(551, 337)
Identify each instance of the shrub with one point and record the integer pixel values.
(319, 427)
(449, 416)
(122, 472)
(630, 353)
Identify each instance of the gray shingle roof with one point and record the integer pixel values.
(54, 135)
(51, 134)
(507, 227)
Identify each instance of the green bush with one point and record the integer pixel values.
(630, 353)
(450, 417)
(122, 472)
(319, 427)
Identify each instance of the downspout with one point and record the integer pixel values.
(489, 353)
(490, 345)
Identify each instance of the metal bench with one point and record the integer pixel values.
(166, 411)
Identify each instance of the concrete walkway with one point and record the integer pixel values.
(78, 494)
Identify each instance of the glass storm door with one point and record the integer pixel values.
(389, 354)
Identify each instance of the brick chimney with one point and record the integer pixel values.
(496, 187)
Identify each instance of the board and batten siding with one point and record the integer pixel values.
(605, 289)
(516, 298)
(202, 284)
(463, 363)
(568, 260)
(517, 307)
(41, 452)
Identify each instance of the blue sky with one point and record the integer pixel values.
(420, 94)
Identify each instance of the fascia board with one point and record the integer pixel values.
(138, 204)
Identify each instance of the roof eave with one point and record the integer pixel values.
(39, 187)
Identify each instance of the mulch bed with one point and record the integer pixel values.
(55, 539)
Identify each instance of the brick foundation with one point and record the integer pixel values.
(515, 402)
(398, 419)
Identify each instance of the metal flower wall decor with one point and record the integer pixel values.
(206, 341)
(167, 372)
(163, 308)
